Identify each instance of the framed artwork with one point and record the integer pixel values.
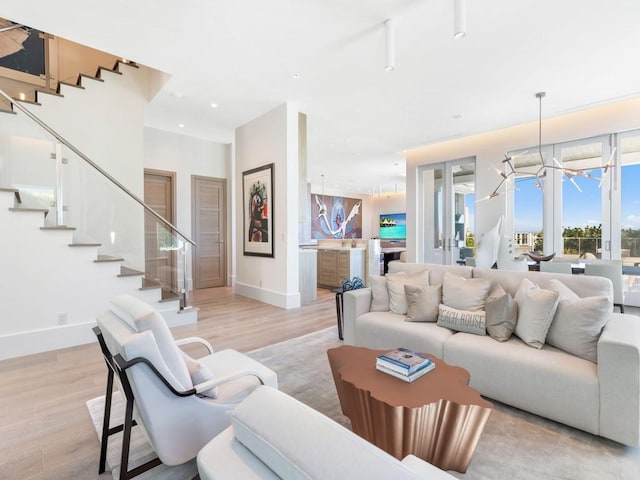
(257, 197)
(335, 217)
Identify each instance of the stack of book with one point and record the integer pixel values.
(404, 364)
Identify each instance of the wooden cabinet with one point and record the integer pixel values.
(334, 264)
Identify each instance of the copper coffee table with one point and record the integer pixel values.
(438, 417)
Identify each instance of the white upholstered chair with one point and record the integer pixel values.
(613, 271)
(180, 402)
(556, 267)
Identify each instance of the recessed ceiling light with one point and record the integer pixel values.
(457, 116)
(214, 105)
(181, 125)
(177, 94)
(296, 75)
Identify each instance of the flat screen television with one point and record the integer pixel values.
(393, 226)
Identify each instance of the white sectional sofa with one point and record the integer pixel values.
(600, 396)
(272, 436)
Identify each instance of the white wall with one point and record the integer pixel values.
(271, 138)
(385, 203)
(489, 149)
(187, 156)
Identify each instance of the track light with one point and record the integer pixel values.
(459, 18)
(389, 44)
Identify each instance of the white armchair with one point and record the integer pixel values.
(613, 271)
(180, 402)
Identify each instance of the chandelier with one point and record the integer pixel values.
(511, 170)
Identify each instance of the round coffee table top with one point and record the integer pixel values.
(357, 365)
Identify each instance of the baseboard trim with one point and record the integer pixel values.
(47, 339)
(271, 297)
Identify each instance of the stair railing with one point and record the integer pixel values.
(168, 244)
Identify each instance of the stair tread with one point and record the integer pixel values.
(49, 92)
(69, 84)
(30, 102)
(85, 244)
(60, 227)
(108, 258)
(128, 64)
(84, 75)
(4, 110)
(29, 209)
(111, 70)
(8, 189)
(129, 272)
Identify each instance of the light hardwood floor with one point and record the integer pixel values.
(45, 429)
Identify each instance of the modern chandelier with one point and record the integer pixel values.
(569, 173)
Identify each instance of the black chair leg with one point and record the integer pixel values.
(105, 422)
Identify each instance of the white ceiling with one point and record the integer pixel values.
(242, 54)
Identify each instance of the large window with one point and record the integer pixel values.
(575, 205)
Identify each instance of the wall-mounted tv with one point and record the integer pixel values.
(393, 226)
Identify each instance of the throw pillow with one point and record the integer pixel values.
(422, 303)
(502, 314)
(464, 293)
(396, 283)
(462, 321)
(200, 373)
(565, 292)
(379, 294)
(536, 308)
(577, 325)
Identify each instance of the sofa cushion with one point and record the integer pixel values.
(387, 330)
(396, 283)
(502, 313)
(422, 302)
(462, 320)
(464, 293)
(297, 442)
(547, 382)
(536, 308)
(578, 322)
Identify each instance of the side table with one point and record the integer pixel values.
(339, 310)
(438, 417)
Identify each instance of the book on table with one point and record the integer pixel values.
(403, 361)
(407, 378)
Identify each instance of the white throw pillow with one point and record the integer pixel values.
(502, 314)
(464, 293)
(462, 320)
(379, 294)
(422, 303)
(536, 308)
(578, 322)
(200, 373)
(396, 283)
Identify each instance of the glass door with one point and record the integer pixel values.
(584, 226)
(446, 212)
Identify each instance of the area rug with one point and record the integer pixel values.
(515, 445)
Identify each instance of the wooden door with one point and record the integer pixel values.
(209, 231)
(159, 194)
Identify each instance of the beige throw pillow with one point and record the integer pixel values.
(379, 294)
(396, 283)
(536, 308)
(578, 322)
(422, 303)
(502, 314)
(461, 320)
(464, 293)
